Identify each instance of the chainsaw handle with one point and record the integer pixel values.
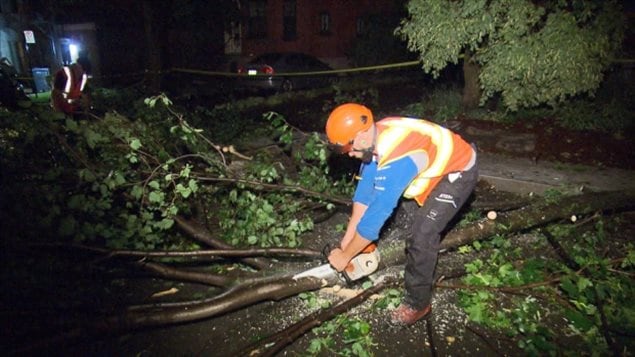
(369, 248)
(326, 250)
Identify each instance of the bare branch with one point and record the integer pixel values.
(281, 187)
(293, 332)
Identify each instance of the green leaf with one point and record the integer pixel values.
(578, 320)
(184, 191)
(154, 184)
(569, 287)
(93, 138)
(71, 125)
(476, 312)
(135, 144)
(192, 184)
(166, 223)
(584, 283)
(137, 191)
(185, 172)
(87, 175)
(156, 197)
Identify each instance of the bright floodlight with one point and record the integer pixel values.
(74, 50)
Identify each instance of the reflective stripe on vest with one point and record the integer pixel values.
(70, 81)
(84, 80)
(397, 130)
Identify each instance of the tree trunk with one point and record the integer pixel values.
(152, 29)
(471, 86)
(535, 215)
(232, 300)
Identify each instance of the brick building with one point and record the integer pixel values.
(324, 28)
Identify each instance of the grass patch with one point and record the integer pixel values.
(42, 97)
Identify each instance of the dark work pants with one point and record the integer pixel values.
(422, 248)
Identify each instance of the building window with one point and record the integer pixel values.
(325, 23)
(9, 6)
(257, 20)
(289, 28)
(360, 26)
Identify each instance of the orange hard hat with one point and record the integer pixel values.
(345, 122)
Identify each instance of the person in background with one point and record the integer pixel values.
(11, 90)
(407, 157)
(69, 84)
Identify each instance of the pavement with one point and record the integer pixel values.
(520, 173)
(524, 176)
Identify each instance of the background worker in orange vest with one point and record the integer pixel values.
(406, 157)
(69, 84)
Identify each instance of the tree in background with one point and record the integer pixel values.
(528, 52)
(377, 45)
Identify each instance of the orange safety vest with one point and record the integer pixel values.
(67, 98)
(74, 86)
(446, 151)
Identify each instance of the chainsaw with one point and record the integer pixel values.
(363, 264)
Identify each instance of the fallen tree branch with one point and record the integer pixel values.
(166, 272)
(513, 289)
(506, 289)
(247, 294)
(535, 215)
(430, 334)
(570, 262)
(138, 317)
(199, 254)
(200, 234)
(539, 214)
(275, 288)
(293, 332)
(484, 339)
(279, 187)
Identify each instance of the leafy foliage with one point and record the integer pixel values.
(355, 333)
(608, 111)
(389, 299)
(529, 53)
(121, 181)
(595, 288)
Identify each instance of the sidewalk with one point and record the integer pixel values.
(523, 176)
(512, 168)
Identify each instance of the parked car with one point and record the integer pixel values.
(267, 72)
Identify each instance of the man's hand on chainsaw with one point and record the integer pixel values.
(338, 259)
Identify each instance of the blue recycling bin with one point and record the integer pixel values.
(40, 75)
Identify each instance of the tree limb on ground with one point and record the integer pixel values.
(231, 300)
(201, 234)
(195, 254)
(537, 214)
(277, 187)
(276, 288)
(293, 332)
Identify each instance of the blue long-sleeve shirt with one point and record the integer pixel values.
(380, 190)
